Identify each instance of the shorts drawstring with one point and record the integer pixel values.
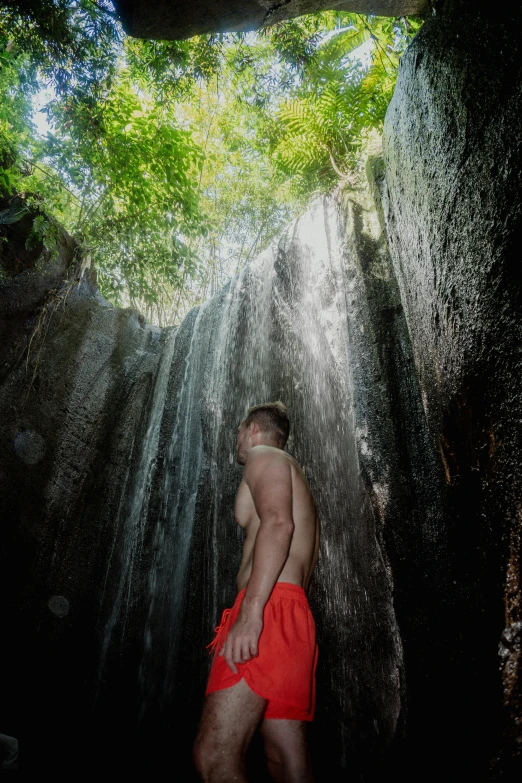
(217, 630)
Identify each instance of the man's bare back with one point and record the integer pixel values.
(304, 547)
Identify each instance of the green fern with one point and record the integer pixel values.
(321, 128)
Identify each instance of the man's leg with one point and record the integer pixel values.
(286, 750)
(230, 717)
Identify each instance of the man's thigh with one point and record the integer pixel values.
(286, 749)
(285, 734)
(230, 717)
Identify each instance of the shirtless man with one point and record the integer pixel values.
(263, 672)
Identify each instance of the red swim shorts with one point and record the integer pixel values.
(284, 670)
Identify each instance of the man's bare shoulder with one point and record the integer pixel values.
(261, 458)
(264, 460)
(267, 455)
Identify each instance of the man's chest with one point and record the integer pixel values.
(244, 508)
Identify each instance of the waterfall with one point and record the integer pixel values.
(279, 330)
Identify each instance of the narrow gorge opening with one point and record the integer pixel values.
(201, 225)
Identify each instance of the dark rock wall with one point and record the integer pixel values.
(388, 318)
(75, 373)
(175, 19)
(120, 474)
(452, 148)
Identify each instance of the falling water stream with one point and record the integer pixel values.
(279, 330)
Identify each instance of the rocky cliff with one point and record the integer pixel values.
(453, 213)
(175, 19)
(388, 319)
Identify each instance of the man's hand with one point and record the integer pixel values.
(242, 641)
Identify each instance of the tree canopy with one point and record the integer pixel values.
(173, 163)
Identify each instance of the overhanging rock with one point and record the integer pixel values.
(176, 19)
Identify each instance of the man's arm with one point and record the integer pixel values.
(269, 478)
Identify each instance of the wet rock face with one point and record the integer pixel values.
(75, 376)
(176, 19)
(120, 475)
(453, 165)
(393, 333)
(29, 446)
(27, 270)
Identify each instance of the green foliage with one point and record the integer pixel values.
(339, 102)
(244, 195)
(43, 231)
(174, 162)
(117, 170)
(17, 82)
(134, 171)
(170, 69)
(71, 42)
